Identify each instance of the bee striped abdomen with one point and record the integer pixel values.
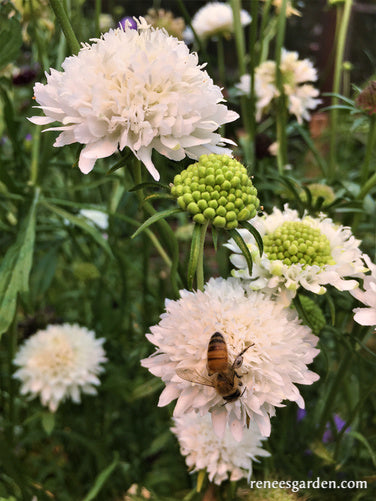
(217, 354)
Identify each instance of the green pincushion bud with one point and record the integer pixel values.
(295, 242)
(319, 190)
(218, 189)
(314, 314)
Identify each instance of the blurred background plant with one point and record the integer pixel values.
(60, 264)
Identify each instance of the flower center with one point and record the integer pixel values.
(216, 188)
(296, 242)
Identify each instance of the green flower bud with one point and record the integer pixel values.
(216, 188)
(314, 313)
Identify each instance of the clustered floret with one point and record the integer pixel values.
(217, 188)
(296, 242)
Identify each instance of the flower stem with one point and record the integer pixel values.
(239, 36)
(337, 382)
(367, 187)
(200, 264)
(35, 155)
(252, 54)
(98, 10)
(61, 15)
(369, 150)
(343, 17)
(281, 109)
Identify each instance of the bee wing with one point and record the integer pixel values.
(194, 376)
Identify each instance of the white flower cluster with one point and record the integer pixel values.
(215, 19)
(301, 96)
(280, 349)
(275, 276)
(222, 457)
(60, 362)
(367, 315)
(140, 89)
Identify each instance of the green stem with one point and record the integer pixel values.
(98, 10)
(263, 52)
(343, 17)
(252, 54)
(369, 150)
(35, 155)
(367, 187)
(61, 15)
(221, 62)
(239, 36)
(281, 104)
(337, 383)
(200, 264)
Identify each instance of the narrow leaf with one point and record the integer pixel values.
(215, 237)
(15, 267)
(158, 196)
(256, 235)
(194, 255)
(101, 479)
(150, 184)
(48, 422)
(365, 442)
(243, 248)
(81, 223)
(154, 218)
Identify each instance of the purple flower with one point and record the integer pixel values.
(300, 414)
(28, 137)
(339, 423)
(130, 21)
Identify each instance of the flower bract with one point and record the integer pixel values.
(303, 252)
(279, 350)
(138, 89)
(60, 362)
(222, 457)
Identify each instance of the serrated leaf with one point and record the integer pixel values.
(154, 218)
(194, 255)
(81, 223)
(15, 267)
(256, 235)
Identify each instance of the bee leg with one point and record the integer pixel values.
(238, 375)
(243, 391)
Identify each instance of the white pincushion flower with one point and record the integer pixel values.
(140, 89)
(216, 18)
(60, 362)
(222, 457)
(299, 252)
(301, 96)
(281, 349)
(366, 316)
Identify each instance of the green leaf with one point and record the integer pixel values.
(154, 218)
(48, 422)
(158, 196)
(10, 35)
(81, 223)
(365, 442)
(101, 479)
(256, 235)
(150, 184)
(15, 267)
(194, 255)
(243, 248)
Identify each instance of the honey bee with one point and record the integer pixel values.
(221, 374)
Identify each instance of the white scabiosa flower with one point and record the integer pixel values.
(217, 19)
(222, 457)
(60, 362)
(140, 89)
(367, 315)
(299, 252)
(279, 350)
(301, 96)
